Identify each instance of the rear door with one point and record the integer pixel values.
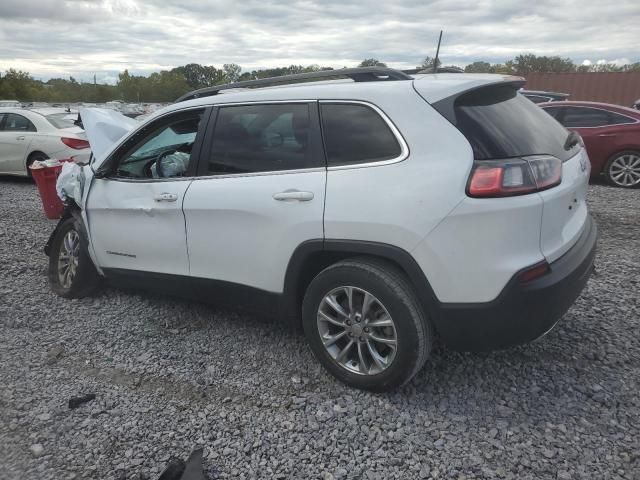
(260, 194)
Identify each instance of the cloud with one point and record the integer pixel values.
(80, 37)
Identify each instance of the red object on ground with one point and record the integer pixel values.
(45, 179)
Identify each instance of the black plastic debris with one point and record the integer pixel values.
(179, 470)
(75, 402)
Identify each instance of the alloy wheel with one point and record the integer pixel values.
(625, 170)
(68, 258)
(357, 330)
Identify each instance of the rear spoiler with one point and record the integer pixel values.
(446, 106)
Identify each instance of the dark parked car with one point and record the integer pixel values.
(611, 134)
(538, 96)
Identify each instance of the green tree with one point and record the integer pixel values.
(528, 63)
(479, 67)
(371, 62)
(231, 72)
(200, 76)
(427, 63)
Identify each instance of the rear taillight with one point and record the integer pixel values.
(75, 143)
(517, 176)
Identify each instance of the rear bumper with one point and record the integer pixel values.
(522, 312)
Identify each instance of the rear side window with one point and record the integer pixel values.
(500, 123)
(61, 120)
(355, 133)
(262, 138)
(576, 117)
(17, 123)
(617, 119)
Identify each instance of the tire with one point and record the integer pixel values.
(615, 169)
(393, 296)
(35, 156)
(82, 279)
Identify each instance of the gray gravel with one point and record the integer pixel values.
(170, 376)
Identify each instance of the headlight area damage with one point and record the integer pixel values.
(103, 128)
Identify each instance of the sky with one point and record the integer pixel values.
(80, 38)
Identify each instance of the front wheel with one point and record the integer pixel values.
(365, 326)
(71, 270)
(623, 169)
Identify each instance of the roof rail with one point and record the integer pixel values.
(362, 74)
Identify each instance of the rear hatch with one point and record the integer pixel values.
(508, 131)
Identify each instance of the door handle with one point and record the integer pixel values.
(166, 197)
(293, 195)
(607, 135)
(20, 137)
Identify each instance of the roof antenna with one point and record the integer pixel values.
(435, 60)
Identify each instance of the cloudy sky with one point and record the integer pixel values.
(52, 38)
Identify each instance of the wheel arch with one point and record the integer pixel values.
(28, 160)
(313, 256)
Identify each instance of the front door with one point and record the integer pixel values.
(260, 194)
(16, 132)
(134, 210)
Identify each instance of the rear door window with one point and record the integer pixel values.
(263, 138)
(499, 123)
(356, 133)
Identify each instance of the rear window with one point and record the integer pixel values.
(355, 133)
(500, 123)
(61, 120)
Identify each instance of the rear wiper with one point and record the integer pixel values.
(572, 140)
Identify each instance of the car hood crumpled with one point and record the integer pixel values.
(104, 127)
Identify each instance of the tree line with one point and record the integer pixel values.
(167, 85)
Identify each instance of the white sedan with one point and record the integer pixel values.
(30, 135)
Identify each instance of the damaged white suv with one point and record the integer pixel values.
(376, 211)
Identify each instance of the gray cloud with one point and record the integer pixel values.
(80, 37)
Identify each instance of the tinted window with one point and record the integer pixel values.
(576, 117)
(61, 120)
(617, 119)
(356, 134)
(262, 138)
(553, 111)
(168, 140)
(17, 123)
(538, 99)
(499, 123)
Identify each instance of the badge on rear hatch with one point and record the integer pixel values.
(583, 163)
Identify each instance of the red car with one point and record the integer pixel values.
(611, 134)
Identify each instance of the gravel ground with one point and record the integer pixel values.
(170, 376)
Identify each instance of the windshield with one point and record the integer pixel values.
(500, 123)
(61, 120)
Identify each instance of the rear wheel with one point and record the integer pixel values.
(71, 270)
(365, 325)
(623, 169)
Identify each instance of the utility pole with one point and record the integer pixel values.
(435, 60)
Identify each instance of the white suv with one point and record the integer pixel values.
(375, 211)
